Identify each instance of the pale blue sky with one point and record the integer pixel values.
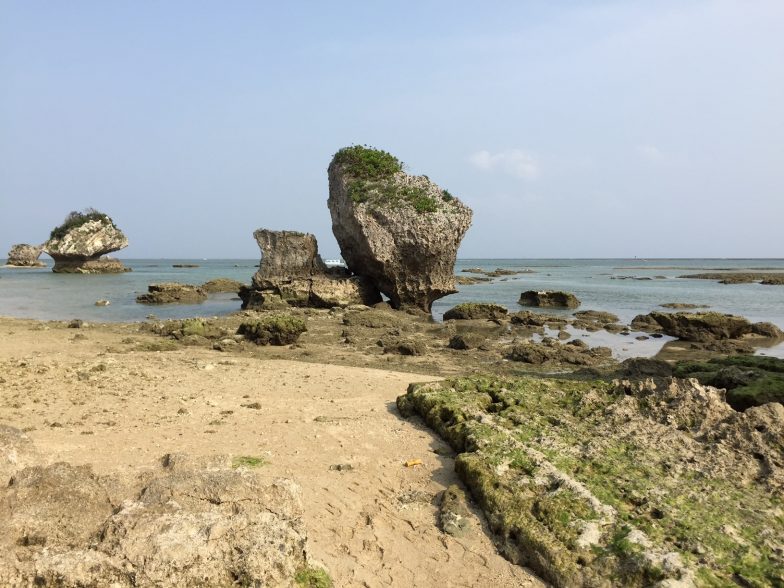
(572, 128)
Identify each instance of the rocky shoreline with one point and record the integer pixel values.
(278, 445)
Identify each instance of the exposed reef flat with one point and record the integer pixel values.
(118, 399)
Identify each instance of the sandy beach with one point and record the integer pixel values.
(370, 524)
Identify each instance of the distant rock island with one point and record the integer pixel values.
(81, 242)
(24, 255)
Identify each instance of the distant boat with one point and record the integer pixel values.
(334, 262)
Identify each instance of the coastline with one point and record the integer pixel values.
(83, 397)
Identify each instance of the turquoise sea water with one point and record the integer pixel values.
(41, 294)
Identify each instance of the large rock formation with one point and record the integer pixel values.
(292, 272)
(400, 231)
(81, 242)
(24, 255)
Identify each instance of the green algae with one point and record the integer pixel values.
(524, 443)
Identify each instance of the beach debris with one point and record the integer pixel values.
(81, 242)
(102, 302)
(400, 231)
(412, 463)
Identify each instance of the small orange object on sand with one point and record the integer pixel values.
(413, 462)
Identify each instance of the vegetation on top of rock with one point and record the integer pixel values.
(275, 329)
(475, 310)
(749, 380)
(372, 178)
(76, 219)
(592, 484)
(367, 163)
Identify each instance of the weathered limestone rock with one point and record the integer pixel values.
(172, 293)
(703, 327)
(79, 244)
(549, 298)
(400, 231)
(192, 522)
(24, 255)
(476, 311)
(292, 273)
(222, 285)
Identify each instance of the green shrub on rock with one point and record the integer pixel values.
(77, 219)
(275, 329)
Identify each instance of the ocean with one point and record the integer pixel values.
(41, 294)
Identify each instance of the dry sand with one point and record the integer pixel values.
(371, 525)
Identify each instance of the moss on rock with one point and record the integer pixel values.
(275, 329)
(586, 485)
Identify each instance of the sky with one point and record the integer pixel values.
(571, 128)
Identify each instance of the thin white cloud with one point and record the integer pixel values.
(514, 162)
(650, 153)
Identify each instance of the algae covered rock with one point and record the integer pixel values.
(172, 293)
(749, 381)
(24, 255)
(617, 484)
(275, 329)
(476, 311)
(80, 243)
(222, 285)
(549, 298)
(400, 231)
(703, 327)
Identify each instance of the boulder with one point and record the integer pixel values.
(701, 327)
(276, 329)
(172, 293)
(476, 310)
(400, 231)
(292, 273)
(185, 524)
(222, 285)
(24, 255)
(549, 298)
(80, 243)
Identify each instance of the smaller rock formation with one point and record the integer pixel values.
(172, 293)
(222, 285)
(292, 273)
(277, 329)
(400, 231)
(703, 327)
(549, 298)
(575, 352)
(24, 255)
(80, 243)
(476, 311)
